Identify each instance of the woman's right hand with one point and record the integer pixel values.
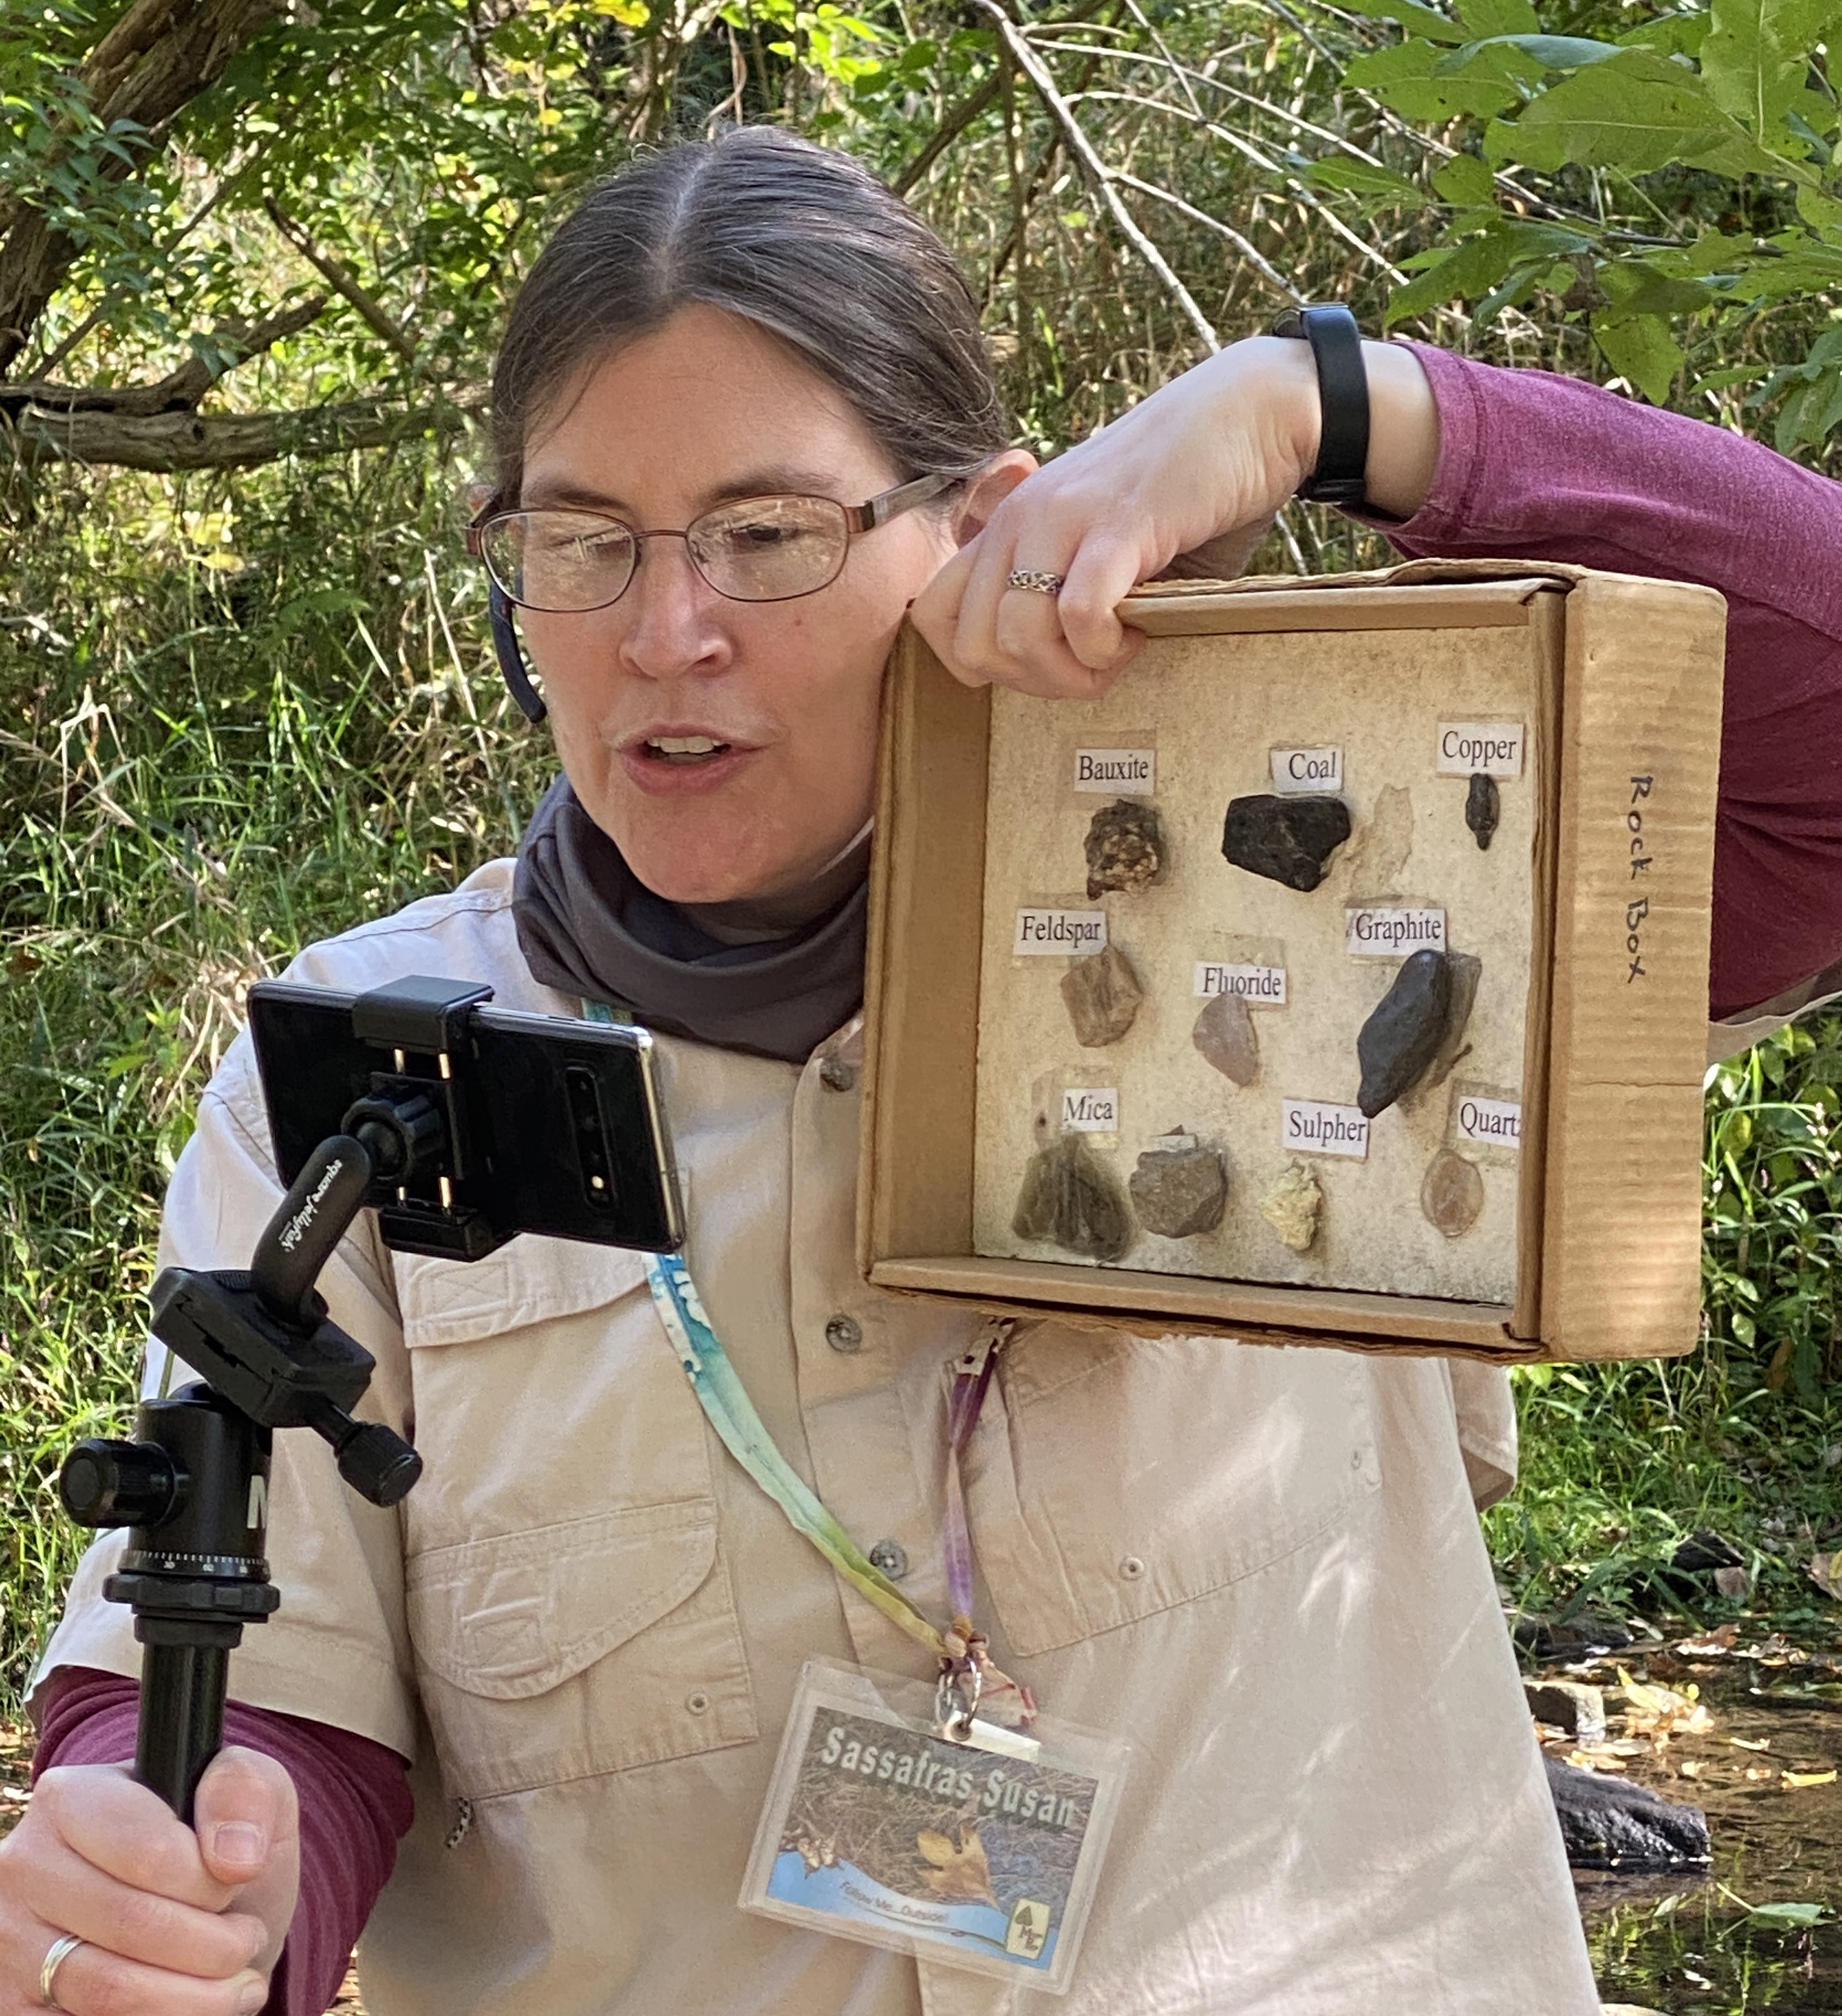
(174, 1922)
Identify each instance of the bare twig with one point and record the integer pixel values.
(953, 124)
(1248, 251)
(370, 310)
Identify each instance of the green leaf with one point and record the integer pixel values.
(1788, 1913)
(1406, 78)
(1636, 112)
(1641, 350)
(1466, 273)
(1466, 180)
(1489, 18)
(1354, 177)
(1820, 212)
(1754, 61)
(1414, 18)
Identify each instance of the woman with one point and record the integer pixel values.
(582, 1632)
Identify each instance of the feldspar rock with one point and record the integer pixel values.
(1569, 1705)
(1482, 808)
(1465, 969)
(1287, 840)
(1225, 1035)
(1179, 1191)
(1070, 1197)
(1608, 1823)
(1291, 1205)
(1403, 1034)
(1103, 997)
(1125, 847)
(1452, 1193)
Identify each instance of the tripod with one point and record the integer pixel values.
(193, 1485)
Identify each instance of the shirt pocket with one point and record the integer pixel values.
(568, 1602)
(1120, 1476)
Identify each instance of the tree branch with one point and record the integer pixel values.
(337, 277)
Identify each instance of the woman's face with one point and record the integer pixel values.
(710, 407)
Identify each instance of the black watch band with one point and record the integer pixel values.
(1342, 393)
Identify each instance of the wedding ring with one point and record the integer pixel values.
(62, 1947)
(1037, 583)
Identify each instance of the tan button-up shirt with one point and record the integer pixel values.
(1261, 1566)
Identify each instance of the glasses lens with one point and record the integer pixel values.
(769, 548)
(559, 560)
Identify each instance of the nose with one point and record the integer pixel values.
(670, 618)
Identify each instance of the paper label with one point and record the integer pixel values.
(1384, 933)
(1301, 770)
(1256, 984)
(1061, 933)
(1308, 1126)
(1494, 1123)
(1495, 747)
(1091, 1109)
(1132, 771)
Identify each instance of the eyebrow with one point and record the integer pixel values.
(778, 480)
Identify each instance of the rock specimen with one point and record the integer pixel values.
(1225, 1034)
(1103, 997)
(1070, 1197)
(1402, 1035)
(1287, 840)
(1452, 1193)
(1608, 1823)
(1125, 847)
(1482, 808)
(1385, 845)
(1291, 1205)
(1465, 967)
(1179, 1189)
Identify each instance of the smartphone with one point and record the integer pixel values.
(555, 1125)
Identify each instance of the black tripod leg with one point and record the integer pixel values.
(182, 1726)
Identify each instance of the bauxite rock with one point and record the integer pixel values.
(1125, 847)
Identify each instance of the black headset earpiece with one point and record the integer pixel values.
(511, 665)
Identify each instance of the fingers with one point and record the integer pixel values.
(122, 1829)
(245, 1814)
(92, 1981)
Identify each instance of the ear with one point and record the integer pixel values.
(985, 491)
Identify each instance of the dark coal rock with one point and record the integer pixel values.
(1103, 997)
(1482, 808)
(1608, 1823)
(1287, 840)
(1070, 1198)
(1125, 847)
(1179, 1192)
(1402, 1036)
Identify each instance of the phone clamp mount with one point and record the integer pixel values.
(193, 1485)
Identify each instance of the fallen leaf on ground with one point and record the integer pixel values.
(1714, 1646)
(1825, 1571)
(1661, 1713)
(1689, 1768)
(1754, 1773)
(1595, 1760)
(1795, 1781)
(1750, 1742)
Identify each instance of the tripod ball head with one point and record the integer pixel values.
(119, 1483)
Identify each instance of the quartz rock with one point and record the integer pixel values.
(1403, 1034)
(1225, 1035)
(1465, 968)
(1291, 1205)
(1103, 997)
(1483, 807)
(1125, 847)
(1452, 1193)
(1287, 840)
(1070, 1198)
(1179, 1190)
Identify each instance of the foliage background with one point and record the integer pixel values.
(245, 696)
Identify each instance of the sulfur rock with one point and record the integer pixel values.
(1483, 806)
(1103, 997)
(1287, 840)
(1225, 1035)
(1179, 1191)
(1451, 1194)
(1291, 1205)
(1403, 1034)
(1125, 847)
(1466, 968)
(1070, 1198)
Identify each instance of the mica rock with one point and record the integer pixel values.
(1465, 968)
(1291, 1205)
(1225, 1035)
(1403, 1034)
(1103, 997)
(1483, 808)
(1179, 1192)
(1287, 840)
(1070, 1197)
(1452, 1193)
(1125, 847)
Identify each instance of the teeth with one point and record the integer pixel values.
(685, 745)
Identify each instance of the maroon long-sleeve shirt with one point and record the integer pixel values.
(1531, 467)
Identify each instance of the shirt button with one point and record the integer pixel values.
(889, 1556)
(698, 1703)
(1132, 1568)
(838, 1075)
(844, 1334)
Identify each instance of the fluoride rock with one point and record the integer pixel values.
(1402, 1035)
(1483, 807)
(1287, 840)
(1179, 1191)
(1452, 1193)
(1225, 1035)
(1103, 997)
(1291, 1206)
(1071, 1199)
(1125, 848)
(1466, 968)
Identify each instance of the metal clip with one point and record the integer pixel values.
(956, 1699)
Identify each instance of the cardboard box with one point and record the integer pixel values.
(1621, 685)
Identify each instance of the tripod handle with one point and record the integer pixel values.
(181, 1724)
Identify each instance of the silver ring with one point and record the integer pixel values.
(62, 1947)
(1037, 583)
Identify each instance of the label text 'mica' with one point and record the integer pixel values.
(1091, 1109)
(1385, 934)
(1254, 984)
(1116, 770)
(1298, 770)
(1308, 1126)
(1494, 747)
(1497, 1122)
(1069, 933)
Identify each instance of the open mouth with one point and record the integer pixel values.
(683, 749)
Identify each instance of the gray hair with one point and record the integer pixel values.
(801, 241)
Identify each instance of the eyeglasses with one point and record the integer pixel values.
(756, 550)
